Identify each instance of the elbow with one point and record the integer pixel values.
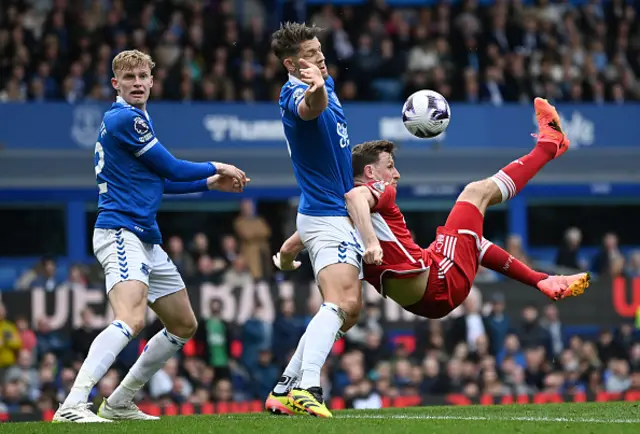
(351, 198)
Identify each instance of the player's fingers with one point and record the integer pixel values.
(305, 63)
(296, 264)
(276, 260)
(313, 87)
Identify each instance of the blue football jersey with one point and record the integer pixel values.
(320, 151)
(129, 193)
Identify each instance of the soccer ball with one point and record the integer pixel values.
(426, 114)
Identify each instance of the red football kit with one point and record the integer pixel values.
(451, 261)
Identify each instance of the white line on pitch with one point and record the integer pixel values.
(490, 418)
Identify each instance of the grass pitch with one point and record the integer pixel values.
(583, 418)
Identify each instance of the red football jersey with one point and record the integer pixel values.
(401, 255)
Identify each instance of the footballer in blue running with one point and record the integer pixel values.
(317, 137)
(133, 172)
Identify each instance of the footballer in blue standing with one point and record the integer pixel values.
(315, 127)
(133, 171)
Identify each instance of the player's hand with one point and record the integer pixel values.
(311, 75)
(285, 263)
(373, 254)
(231, 171)
(225, 183)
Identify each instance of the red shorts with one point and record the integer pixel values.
(454, 257)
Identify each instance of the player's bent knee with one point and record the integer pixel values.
(351, 306)
(479, 193)
(136, 323)
(128, 300)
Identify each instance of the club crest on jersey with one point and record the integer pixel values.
(298, 94)
(439, 243)
(380, 186)
(140, 126)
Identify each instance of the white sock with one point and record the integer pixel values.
(505, 184)
(160, 348)
(321, 334)
(291, 373)
(102, 353)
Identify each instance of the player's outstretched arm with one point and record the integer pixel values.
(359, 202)
(285, 258)
(162, 162)
(316, 98)
(216, 182)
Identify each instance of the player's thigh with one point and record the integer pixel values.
(123, 258)
(464, 218)
(341, 285)
(335, 251)
(480, 193)
(407, 289)
(168, 296)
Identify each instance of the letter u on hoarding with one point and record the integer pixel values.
(624, 307)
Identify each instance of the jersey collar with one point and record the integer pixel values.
(121, 101)
(293, 79)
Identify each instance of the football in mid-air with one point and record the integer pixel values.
(426, 114)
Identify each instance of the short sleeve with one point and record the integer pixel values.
(384, 194)
(133, 132)
(292, 96)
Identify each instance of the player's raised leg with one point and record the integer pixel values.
(169, 300)
(128, 298)
(504, 185)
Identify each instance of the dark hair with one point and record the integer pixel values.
(285, 41)
(368, 153)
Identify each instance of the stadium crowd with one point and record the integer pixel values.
(502, 51)
(472, 354)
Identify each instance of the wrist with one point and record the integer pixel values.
(212, 182)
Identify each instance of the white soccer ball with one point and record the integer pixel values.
(426, 114)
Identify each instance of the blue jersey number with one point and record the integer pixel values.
(102, 187)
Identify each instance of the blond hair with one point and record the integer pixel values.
(130, 59)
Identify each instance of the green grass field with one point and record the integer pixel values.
(584, 418)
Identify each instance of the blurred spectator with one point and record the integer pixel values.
(608, 261)
(82, 337)
(552, 324)
(568, 251)
(24, 372)
(27, 336)
(214, 334)
(287, 330)
(498, 323)
(254, 233)
(42, 275)
(184, 262)
(264, 375)
(531, 333)
(10, 341)
(238, 275)
(256, 336)
(49, 340)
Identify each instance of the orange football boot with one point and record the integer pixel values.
(559, 287)
(549, 126)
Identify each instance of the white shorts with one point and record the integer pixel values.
(330, 240)
(124, 256)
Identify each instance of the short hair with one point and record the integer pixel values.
(369, 153)
(130, 59)
(285, 41)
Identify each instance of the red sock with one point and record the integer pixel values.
(497, 259)
(513, 177)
